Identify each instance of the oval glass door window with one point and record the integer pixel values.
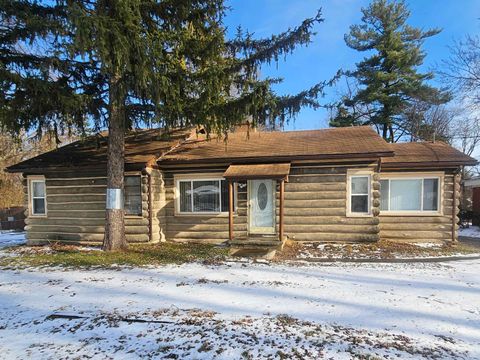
(262, 196)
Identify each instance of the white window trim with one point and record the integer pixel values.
(359, 173)
(201, 177)
(141, 195)
(416, 176)
(31, 181)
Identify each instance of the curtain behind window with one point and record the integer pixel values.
(185, 196)
(430, 194)
(384, 194)
(206, 196)
(224, 188)
(405, 194)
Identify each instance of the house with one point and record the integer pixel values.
(257, 188)
(12, 218)
(471, 199)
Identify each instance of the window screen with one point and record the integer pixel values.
(203, 196)
(133, 195)
(359, 194)
(430, 195)
(38, 197)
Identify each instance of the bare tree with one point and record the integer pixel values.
(424, 121)
(13, 150)
(462, 70)
(466, 134)
(11, 193)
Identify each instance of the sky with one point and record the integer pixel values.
(328, 51)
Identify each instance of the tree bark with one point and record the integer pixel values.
(384, 132)
(390, 129)
(115, 222)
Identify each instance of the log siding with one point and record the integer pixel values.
(315, 209)
(316, 205)
(425, 228)
(203, 227)
(76, 211)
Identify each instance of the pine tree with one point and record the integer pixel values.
(125, 63)
(388, 80)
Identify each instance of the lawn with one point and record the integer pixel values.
(237, 309)
(193, 302)
(381, 250)
(136, 255)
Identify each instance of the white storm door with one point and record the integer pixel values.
(262, 206)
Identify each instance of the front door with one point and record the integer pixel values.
(262, 206)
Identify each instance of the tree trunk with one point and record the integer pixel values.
(115, 223)
(392, 137)
(384, 132)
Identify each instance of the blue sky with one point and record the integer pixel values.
(328, 52)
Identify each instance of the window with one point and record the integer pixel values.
(410, 194)
(202, 196)
(38, 198)
(133, 195)
(359, 194)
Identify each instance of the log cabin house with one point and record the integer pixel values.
(256, 189)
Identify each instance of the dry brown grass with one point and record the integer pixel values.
(135, 255)
(378, 250)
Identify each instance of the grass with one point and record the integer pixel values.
(376, 250)
(136, 255)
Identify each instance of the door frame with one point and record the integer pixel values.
(264, 230)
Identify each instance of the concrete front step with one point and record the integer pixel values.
(260, 242)
(256, 246)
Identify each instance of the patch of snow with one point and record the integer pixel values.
(472, 231)
(339, 311)
(11, 238)
(428, 245)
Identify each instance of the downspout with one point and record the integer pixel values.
(150, 208)
(454, 206)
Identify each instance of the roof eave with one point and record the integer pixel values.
(428, 164)
(133, 166)
(277, 159)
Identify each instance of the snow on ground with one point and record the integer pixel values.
(243, 310)
(471, 231)
(11, 238)
(379, 251)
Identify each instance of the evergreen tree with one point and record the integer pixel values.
(124, 63)
(388, 80)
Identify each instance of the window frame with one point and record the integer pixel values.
(141, 196)
(354, 174)
(202, 177)
(31, 209)
(415, 176)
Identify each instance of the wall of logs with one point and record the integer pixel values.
(316, 205)
(203, 228)
(76, 211)
(315, 210)
(426, 228)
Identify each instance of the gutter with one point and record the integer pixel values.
(150, 206)
(454, 206)
(282, 158)
(426, 164)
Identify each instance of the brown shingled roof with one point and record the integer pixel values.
(257, 171)
(179, 146)
(141, 147)
(331, 143)
(422, 154)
